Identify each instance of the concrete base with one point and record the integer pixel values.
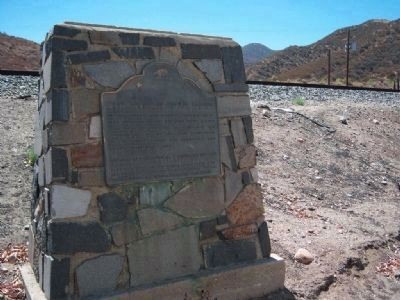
(32, 288)
(240, 282)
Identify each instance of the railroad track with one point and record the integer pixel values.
(273, 83)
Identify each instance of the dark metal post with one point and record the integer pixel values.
(329, 66)
(398, 82)
(348, 57)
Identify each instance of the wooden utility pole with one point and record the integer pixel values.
(329, 66)
(348, 57)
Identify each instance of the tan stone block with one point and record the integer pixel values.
(246, 156)
(76, 78)
(188, 70)
(84, 102)
(87, 156)
(170, 55)
(91, 177)
(240, 232)
(247, 207)
(66, 134)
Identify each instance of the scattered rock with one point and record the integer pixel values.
(304, 256)
(343, 120)
(375, 121)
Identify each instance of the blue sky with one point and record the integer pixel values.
(277, 23)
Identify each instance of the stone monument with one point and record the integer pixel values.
(145, 186)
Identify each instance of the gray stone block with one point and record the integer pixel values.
(110, 74)
(159, 41)
(57, 106)
(155, 193)
(224, 129)
(212, 68)
(233, 106)
(231, 88)
(58, 76)
(56, 165)
(232, 59)
(233, 185)
(68, 202)
(88, 57)
(53, 72)
(238, 133)
(248, 128)
(265, 242)
(41, 171)
(125, 233)
(61, 44)
(227, 150)
(65, 31)
(153, 220)
(55, 277)
(170, 255)
(112, 208)
(208, 229)
(84, 102)
(134, 52)
(198, 51)
(246, 178)
(99, 276)
(38, 141)
(67, 134)
(129, 38)
(203, 198)
(225, 253)
(45, 140)
(70, 238)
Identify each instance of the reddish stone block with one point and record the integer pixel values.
(247, 207)
(240, 232)
(86, 156)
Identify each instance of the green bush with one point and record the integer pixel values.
(31, 157)
(298, 101)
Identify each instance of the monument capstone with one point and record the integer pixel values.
(145, 186)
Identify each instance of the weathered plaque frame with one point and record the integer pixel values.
(159, 126)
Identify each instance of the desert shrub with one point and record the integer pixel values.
(298, 101)
(31, 157)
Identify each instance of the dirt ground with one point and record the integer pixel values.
(336, 194)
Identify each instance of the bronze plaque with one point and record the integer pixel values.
(159, 126)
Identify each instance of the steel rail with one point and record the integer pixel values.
(19, 72)
(321, 86)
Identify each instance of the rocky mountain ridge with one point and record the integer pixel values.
(374, 61)
(255, 52)
(18, 54)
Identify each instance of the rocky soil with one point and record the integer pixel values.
(330, 171)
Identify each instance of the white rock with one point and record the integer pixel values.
(67, 202)
(95, 127)
(304, 256)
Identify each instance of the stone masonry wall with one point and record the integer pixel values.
(89, 238)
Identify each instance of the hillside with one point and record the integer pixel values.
(254, 52)
(18, 54)
(373, 63)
